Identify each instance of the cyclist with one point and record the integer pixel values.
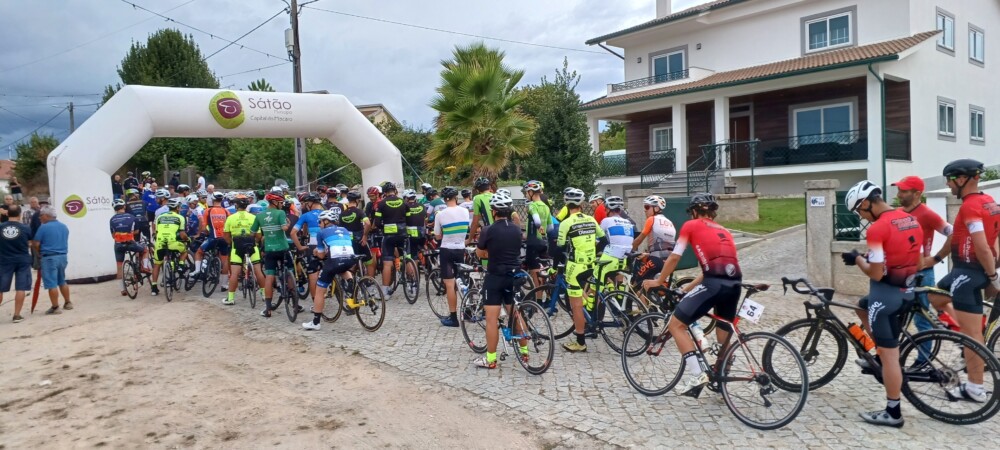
(309, 221)
(147, 178)
(240, 237)
(254, 207)
(514, 216)
(342, 196)
(334, 248)
(270, 227)
(424, 187)
(433, 203)
(390, 216)
(355, 221)
(578, 234)
(894, 243)
(331, 200)
(659, 231)
(482, 215)
(183, 191)
(135, 206)
(450, 227)
(124, 229)
(130, 181)
(539, 223)
(500, 242)
(973, 255)
(202, 200)
(195, 211)
(374, 234)
(214, 222)
(170, 236)
(600, 212)
(416, 223)
(619, 234)
(466, 202)
(162, 195)
(720, 289)
(152, 203)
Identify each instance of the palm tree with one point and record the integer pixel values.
(260, 85)
(479, 124)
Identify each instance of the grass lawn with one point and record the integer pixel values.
(775, 214)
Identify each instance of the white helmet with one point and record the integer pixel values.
(655, 201)
(174, 203)
(192, 198)
(859, 193)
(614, 203)
(596, 196)
(330, 215)
(504, 192)
(230, 195)
(573, 196)
(425, 186)
(162, 193)
(409, 194)
(501, 201)
(278, 190)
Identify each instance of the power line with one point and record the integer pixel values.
(255, 70)
(246, 34)
(210, 34)
(39, 127)
(90, 41)
(50, 95)
(18, 115)
(455, 32)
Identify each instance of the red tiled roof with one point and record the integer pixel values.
(692, 11)
(823, 61)
(6, 169)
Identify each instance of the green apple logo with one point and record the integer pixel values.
(74, 207)
(227, 109)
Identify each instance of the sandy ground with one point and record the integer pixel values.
(116, 373)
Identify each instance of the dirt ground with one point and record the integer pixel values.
(116, 373)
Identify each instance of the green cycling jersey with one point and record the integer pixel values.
(581, 232)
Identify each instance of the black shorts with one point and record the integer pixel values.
(532, 252)
(361, 250)
(450, 258)
(122, 247)
(721, 294)
(271, 260)
(331, 268)
(966, 286)
(144, 229)
(884, 302)
(416, 245)
(499, 290)
(313, 264)
(390, 243)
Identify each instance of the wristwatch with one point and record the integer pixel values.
(938, 258)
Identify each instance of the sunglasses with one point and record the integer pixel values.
(646, 207)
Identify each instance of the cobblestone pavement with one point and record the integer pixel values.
(589, 394)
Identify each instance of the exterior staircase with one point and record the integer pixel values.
(676, 184)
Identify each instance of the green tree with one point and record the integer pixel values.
(32, 156)
(613, 137)
(479, 124)
(170, 58)
(260, 85)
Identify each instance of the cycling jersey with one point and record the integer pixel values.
(895, 240)
(335, 206)
(978, 213)
(149, 199)
(416, 219)
(481, 206)
(539, 218)
(123, 227)
(311, 222)
(435, 206)
(168, 225)
(561, 215)
(466, 205)
(600, 213)
(370, 210)
(269, 224)
(353, 219)
(254, 209)
(390, 214)
(619, 233)
(660, 235)
(239, 224)
(713, 246)
(929, 223)
(580, 231)
(193, 223)
(130, 183)
(336, 241)
(136, 208)
(452, 224)
(215, 220)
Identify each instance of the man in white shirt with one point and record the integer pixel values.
(451, 225)
(201, 182)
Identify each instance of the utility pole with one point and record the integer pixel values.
(72, 121)
(301, 175)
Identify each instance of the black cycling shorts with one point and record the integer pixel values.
(721, 294)
(532, 252)
(143, 227)
(122, 247)
(313, 264)
(361, 250)
(390, 243)
(499, 290)
(966, 286)
(450, 259)
(884, 302)
(271, 260)
(331, 268)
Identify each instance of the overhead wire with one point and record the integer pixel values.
(255, 70)
(47, 122)
(18, 115)
(50, 95)
(246, 34)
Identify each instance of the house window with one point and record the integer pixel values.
(662, 139)
(669, 66)
(977, 124)
(946, 23)
(946, 118)
(829, 32)
(977, 45)
(826, 123)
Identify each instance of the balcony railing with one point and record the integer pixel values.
(806, 149)
(661, 164)
(612, 165)
(656, 79)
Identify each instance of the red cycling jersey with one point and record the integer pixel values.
(713, 246)
(929, 222)
(215, 220)
(978, 213)
(895, 240)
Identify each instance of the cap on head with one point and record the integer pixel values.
(910, 183)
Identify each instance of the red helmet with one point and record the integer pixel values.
(374, 190)
(272, 197)
(301, 195)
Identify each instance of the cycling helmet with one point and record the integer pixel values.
(969, 167)
(241, 200)
(573, 196)
(332, 191)
(330, 215)
(482, 183)
(146, 174)
(183, 188)
(218, 196)
(118, 204)
(504, 192)
(301, 196)
(374, 190)
(177, 174)
(162, 193)
(129, 174)
(501, 202)
(410, 194)
(277, 190)
(449, 193)
(425, 186)
(655, 201)
(614, 203)
(131, 191)
(595, 196)
(174, 203)
(466, 193)
(353, 196)
(388, 186)
(321, 188)
(858, 193)
(191, 198)
(311, 197)
(202, 193)
(272, 197)
(533, 186)
(342, 187)
(703, 200)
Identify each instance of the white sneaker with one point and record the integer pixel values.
(227, 301)
(310, 326)
(694, 385)
(961, 392)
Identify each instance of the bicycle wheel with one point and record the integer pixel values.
(211, 274)
(615, 322)
(707, 322)
(291, 303)
(250, 285)
(472, 320)
(748, 386)
(651, 361)
(557, 309)
(821, 347)
(371, 311)
(333, 304)
(529, 282)
(301, 279)
(531, 324)
(168, 278)
(931, 387)
(994, 336)
(435, 291)
(410, 281)
(130, 279)
(189, 279)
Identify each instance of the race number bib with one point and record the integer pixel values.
(751, 310)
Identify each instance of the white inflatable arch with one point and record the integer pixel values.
(80, 168)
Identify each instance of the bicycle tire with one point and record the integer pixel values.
(168, 278)
(410, 283)
(371, 312)
(435, 292)
(557, 309)
(651, 362)
(991, 343)
(742, 372)
(535, 328)
(946, 368)
(250, 285)
(301, 279)
(291, 302)
(472, 320)
(130, 279)
(333, 306)
(211, 274)
(189, 279)
(613, 333)
(824, 362)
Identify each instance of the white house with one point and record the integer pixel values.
(764, 94)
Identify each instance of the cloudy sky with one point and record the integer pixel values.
(53, 48)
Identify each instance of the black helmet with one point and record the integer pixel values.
(703, 201)
(431, 191)
(466, 193)
(311, 197)
(449, 193)
(388, 186)
(482, 183)
(129, 173)
(958, 167)
(353, 196)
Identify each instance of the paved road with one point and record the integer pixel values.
(587, 393)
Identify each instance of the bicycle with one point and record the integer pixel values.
(132, 275)
(285, 286)
(248, 279)
(211, 272)
(928, 375)
(370, 303)
(744, 373)
(171, 273)
(190, 279)
(409, 277)
(524, 329)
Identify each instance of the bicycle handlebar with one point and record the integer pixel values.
(809, 290)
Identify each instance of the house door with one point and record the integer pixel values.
(739, 132)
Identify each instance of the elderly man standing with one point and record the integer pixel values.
(30, 211)
(211, 195)
(51, 241)
(8, 201)
(15, 259)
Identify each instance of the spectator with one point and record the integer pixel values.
(211, 194)
(8, 201)
(52, 243)
(149, 198)
(201, 181)
(116, 186)
(130, 181)
(15, 259)
(15, 191)
(175, 181)
(36, 219)
(30, 211)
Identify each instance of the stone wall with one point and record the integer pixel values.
(737, 208)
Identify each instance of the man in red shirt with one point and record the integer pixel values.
(894, 242)
(597, 201)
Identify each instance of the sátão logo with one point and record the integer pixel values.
(74, 207)
(227, 109)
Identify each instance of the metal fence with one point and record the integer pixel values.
(847, 226)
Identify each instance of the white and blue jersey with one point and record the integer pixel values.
(309, 220)
(336, 241)
(620, 233)
(254, 209)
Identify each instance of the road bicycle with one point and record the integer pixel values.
(211, 273)
(190, 278)
(285, 287)
(248, 280)
(172, 271)
(933, 361)
(366, 293)
(132, 274)
(745, 371)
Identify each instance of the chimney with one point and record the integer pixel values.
(662, 8)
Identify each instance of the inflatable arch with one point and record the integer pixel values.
(80, 168)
